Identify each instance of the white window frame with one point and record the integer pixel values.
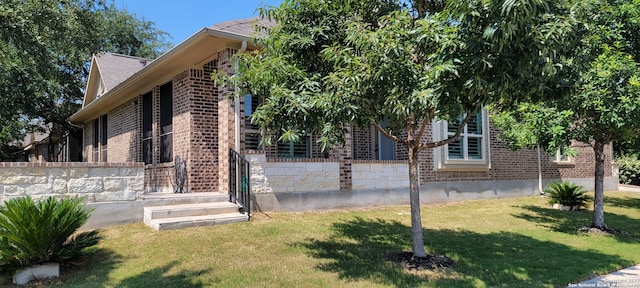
(560, 159)
(441, 154)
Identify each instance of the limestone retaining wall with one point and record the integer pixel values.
(278, 177)
(96, 182)
(380, 175)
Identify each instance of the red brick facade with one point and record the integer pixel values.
(204, 130)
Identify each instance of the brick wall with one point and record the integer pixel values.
(362, 143)
(203, 141)
(507, 164)
(87, 142)
(123, 133)
(226, 120)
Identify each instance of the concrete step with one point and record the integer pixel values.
(163, 199)
(194, 209)
(197, 221)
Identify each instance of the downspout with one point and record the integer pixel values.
(237, 101)
(539, 171)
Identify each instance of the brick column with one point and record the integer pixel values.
(226, 121)
(345, 157)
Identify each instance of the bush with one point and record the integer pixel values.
(629, 167)
(567, 194)
(37, 232)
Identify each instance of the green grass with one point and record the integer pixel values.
(494, 243)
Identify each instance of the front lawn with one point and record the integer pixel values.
(494, 243)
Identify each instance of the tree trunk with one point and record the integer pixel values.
(414, 198)
(598, 203)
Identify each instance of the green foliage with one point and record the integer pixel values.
(532, 124)
(45, 48)
(629, 167)
(341, 62)
(567, 194)
(595, 96)
(332, 64)
(33, 232)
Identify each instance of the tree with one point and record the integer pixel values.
(330, 64)
(602, 102)
(45, 48)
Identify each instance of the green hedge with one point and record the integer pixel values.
(629, 169)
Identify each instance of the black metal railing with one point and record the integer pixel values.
(239, 184)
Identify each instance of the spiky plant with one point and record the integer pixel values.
(567, 194)
(34, 232)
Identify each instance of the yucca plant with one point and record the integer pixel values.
(34, 232)
(567, 194)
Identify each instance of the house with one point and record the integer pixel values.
(45, 145)
(138, 110)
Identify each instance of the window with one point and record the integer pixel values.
(96, 140)
(103, 142)
(301, 149)
(470, 151)
(147, 128)
(166, 123)
(252, 135)
(557, 157)
(469, 143)
(384, 147)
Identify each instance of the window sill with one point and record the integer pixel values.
(564, 163)
(464, 165)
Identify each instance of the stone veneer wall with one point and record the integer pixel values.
(292, 175)
(380, 174)
(97, 182)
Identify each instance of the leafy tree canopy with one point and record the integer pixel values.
(602, 100)
(331, 64)
(45, 48)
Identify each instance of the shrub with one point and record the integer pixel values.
(567, 194)
(37, 232)
(629, 167)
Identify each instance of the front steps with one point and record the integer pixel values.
(164, 211)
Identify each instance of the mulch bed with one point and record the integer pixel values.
(607, 231)
(431, 262)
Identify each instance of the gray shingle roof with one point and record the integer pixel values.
(115, 68)
(244, 27)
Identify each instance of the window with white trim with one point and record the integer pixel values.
(470, 142)
(470, 151)
(557, 157)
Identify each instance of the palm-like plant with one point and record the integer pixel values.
(567, 194)
(36, 232)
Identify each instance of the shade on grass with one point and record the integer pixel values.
(494, 243)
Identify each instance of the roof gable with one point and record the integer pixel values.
(199, 48)
(107, 71)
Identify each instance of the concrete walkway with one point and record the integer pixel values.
(627, 278)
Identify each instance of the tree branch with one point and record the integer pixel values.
(423, 126)
(453, 138)
(384, 132)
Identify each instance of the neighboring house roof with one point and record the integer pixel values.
(195, 51)
(245, 27)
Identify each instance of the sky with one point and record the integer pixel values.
(183, 18)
